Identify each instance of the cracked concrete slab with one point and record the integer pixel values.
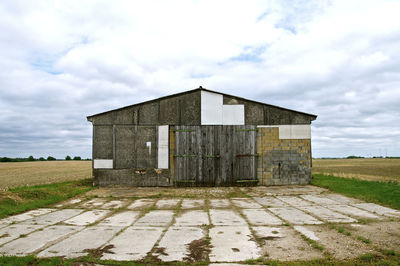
(268, 232)
(167, 203)
(261, 217)
(25, 216)
(307, 233)
(38, 240)
(14, 231)
(290, 190)
(78, 244)
(321, 200)
(192, 203)
(270, 202)
(353, 211)
(328, 215)
(155, 218)
(375, 208)
(341, 199)
(94, 203)
(133, 243)
(226, 217)
(88, 217)
(53, 217)
(295, 201)
(174, 244)
(125, 218)
(219, 203)
(284, 243)
(141, 204)
(192, 218)
(115, 204)
(229, 264)
(232, 243)
(68, 203)
(294, 216)
(246, 203)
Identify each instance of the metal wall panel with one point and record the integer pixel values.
(211, 108)
(163, 143)
(293, 131)
(102, 164)
(233, 114)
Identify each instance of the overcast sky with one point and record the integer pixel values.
(61, 61)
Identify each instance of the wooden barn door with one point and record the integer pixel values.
(215, 155)
(245, 155)
(187, 155)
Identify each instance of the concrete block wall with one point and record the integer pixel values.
(132, 177)
(282, 161)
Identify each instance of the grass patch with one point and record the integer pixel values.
(29, 260)
(386, 193)
(20, 199)
(237, 194)
(366, 259)
(340, 229)
(313, 243)
(363, 239)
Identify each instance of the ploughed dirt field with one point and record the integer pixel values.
(373, 169)
(17, 174)
(212, 225)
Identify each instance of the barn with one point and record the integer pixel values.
(201, 138)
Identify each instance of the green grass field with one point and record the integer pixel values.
(381, 192)
(22, 199)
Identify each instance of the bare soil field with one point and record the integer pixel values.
(18, 174)
(367, 169)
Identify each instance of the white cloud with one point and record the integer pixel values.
(63, 60)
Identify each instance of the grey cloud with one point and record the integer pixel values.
(62, 62)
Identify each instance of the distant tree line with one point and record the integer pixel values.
(358, 157)
(32, 159)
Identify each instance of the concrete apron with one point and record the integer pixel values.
(237, 230)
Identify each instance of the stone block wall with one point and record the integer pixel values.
(282, 161)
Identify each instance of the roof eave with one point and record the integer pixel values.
(89, 118)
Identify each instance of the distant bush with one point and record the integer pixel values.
(30, 158)
(68, 158)
(41, 159)
(77, 158)
(354, 157)
(5, 159)
(50, 158)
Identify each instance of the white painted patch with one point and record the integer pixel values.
(211, 108)
(102, 164)
(233, 114)
(214, 112)
(163, 147)
(293, 131)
